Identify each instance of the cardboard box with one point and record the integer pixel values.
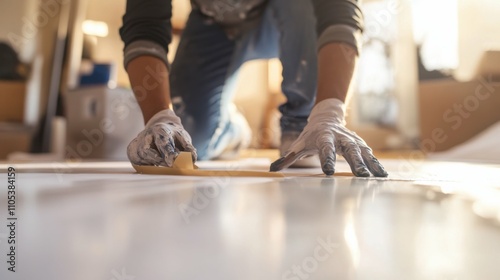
(12, 101)
(101, 122)
(453, 112)
(14, 138)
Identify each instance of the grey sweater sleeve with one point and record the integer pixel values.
(339, 21)
(147, 29)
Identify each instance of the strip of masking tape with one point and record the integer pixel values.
(161, 170)
(184, 161)
(183, 166)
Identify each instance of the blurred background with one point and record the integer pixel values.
(428, 80)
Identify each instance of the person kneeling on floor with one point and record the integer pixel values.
(317, 42)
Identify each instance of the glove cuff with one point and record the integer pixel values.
(164, 115)
(332, 108)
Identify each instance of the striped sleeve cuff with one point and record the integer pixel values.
(144, 47)
(341, 33)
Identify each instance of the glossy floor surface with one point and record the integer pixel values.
(428, 220)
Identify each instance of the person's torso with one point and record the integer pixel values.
(230, 12)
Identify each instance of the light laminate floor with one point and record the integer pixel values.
(90, 221)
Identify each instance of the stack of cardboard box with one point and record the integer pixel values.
(14, 135)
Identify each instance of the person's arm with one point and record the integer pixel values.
(336, 64)
(339, 26)
(339, 29)
(146, 33)
(148, 77)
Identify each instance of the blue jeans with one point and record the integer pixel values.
(204, 71)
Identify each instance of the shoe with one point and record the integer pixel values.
(239, 136)
(287, 139)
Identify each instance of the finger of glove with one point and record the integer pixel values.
(166, 146)
(327, 157)
(375, 167)
(352, 154)
(139, 152)
(372, 162)
(286, 161)
(185, 144)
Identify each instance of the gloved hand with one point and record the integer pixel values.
(326, 134)
(161, 141)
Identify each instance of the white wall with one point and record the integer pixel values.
(111, 12)
(479, 23)
(16, 18)
(109, 48)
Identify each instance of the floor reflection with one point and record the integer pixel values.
(95, 226)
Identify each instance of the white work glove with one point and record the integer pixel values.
(327, 135)
(161, 141)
